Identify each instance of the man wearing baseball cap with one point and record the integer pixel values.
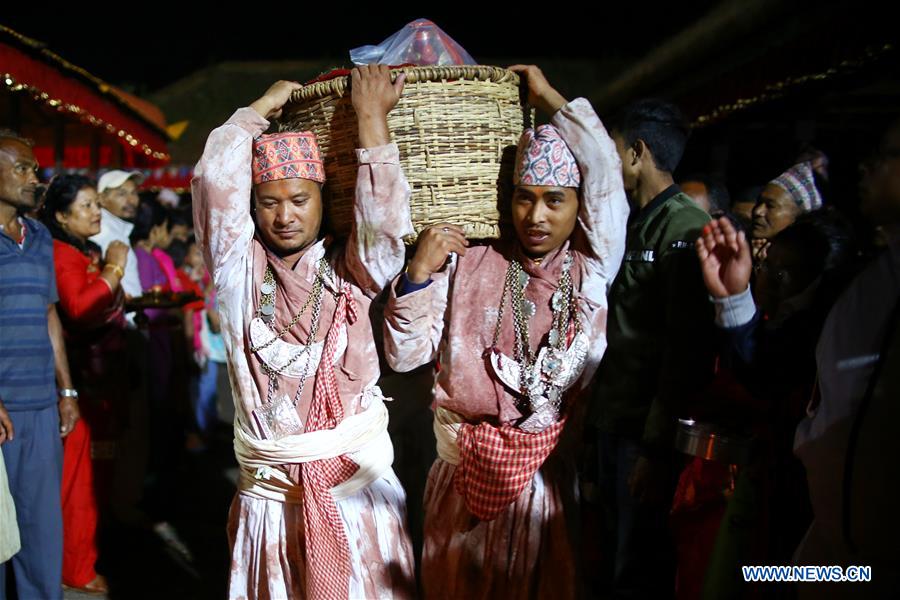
(119, 202)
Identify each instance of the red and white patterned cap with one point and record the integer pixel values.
(543, 158)
(287, 155)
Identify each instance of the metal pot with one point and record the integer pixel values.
(714, 442)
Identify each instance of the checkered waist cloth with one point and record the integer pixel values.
(493, 464)
(327, 547)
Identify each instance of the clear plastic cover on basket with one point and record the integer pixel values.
(419, 43)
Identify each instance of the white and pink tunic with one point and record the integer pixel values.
(525, 551)
(266, 522)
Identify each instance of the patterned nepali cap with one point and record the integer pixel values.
(543, 158)
(287, 155)
(800, 183)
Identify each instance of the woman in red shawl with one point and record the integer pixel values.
(90, 306)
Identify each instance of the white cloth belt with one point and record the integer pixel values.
(446, 428)
(362, 436)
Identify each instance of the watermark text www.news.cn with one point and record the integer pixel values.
(807, 573)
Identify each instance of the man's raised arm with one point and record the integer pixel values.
(376, 253)
(223, 180)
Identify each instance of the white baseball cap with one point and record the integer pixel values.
(114, 179)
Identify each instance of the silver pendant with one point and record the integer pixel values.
(537, 399)
(528, 308)
(540, 420)
(287, 359)
(523, 279)
(554, 396)
(572, 361)
(552, 363)
(278, 419)
(553, 337)
(507, 370)
(532, 381)
(556, 301)
(267, 310)
(267, 288)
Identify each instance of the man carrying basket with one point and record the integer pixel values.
(518, 328)
(319, 512)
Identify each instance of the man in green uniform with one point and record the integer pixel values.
(660, 350)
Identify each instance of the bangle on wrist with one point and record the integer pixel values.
(68, 393)
(119, 271)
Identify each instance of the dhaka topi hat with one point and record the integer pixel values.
(287, 155)
(543, 158)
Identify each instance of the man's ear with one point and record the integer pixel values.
(640, 151)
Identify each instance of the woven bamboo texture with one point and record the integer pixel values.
(456, 128)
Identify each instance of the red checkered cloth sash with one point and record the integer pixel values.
(327, 549)
(496, 463)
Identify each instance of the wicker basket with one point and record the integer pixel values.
(456, 127)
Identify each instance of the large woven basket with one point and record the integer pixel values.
(457, 128)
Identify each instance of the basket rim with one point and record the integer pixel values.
(339, 85)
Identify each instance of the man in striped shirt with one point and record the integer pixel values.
(32, 363)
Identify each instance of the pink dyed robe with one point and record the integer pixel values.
(527, 551)
(267, 537)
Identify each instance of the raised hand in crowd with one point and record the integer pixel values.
(760, 249)
(725, 258)
(432, 249)
(116, 259)
(117, 253)
(541, 94)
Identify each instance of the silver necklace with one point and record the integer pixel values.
(278, 417)
(541, 373)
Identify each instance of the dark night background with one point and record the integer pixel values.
(147, 47)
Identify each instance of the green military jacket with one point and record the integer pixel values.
(660, 326)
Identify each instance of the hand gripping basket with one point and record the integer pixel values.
(456, 126)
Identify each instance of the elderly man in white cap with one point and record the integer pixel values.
(119, 202)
